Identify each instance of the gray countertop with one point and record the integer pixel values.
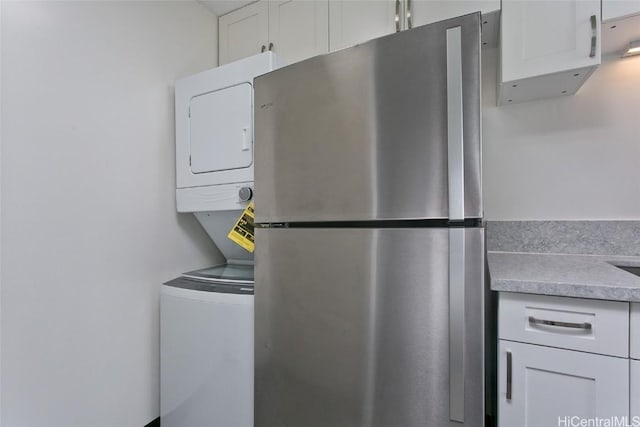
(580, 276)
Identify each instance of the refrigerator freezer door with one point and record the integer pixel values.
(389, 129)
(369, 327)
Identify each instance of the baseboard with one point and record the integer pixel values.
(154, 423)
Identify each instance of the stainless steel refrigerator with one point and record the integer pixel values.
(369, 287)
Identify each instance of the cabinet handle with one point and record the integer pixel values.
(594, 36)
(397, 16)
(263, 49)
(586, 326)
(270, 46)
(409, 9)
(509, 374)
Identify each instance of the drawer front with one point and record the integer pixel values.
(593, 326)
(635, 331)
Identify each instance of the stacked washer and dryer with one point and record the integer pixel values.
(206, 316)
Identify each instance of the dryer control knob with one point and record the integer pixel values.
(245, 194)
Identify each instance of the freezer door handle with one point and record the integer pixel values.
(455, 121)
(456, 323)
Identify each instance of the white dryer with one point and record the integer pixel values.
(214, 135)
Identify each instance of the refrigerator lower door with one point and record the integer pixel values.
(369, 327)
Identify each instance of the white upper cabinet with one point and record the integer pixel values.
(298, 29)
(548, 48)
(294, 29)
(544, 37)
(243, 32)
(420, 12)
(614, 9)
(355, 21)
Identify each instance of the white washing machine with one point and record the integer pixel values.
(206, 348)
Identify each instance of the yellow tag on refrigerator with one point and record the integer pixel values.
(242, 231)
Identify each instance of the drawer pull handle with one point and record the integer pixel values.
(586, 326)
(509, 374)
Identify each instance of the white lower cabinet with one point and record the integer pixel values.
(541, 386)
(635, 392)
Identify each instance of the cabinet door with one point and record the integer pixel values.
(352, 22)
(635, 391)
(548, 384)
(427, 11)
(613, 9)
(544, 37)
(243, 32)
(299, 29)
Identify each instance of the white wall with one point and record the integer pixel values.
(89, 228)
(574, 157)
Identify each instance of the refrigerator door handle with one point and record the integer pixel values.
(455, 121)
(456, 323)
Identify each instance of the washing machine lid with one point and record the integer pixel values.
(191, 284)
(230, 273)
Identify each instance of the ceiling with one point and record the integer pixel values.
(220, 7)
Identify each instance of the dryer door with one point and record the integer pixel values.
(221, 130)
